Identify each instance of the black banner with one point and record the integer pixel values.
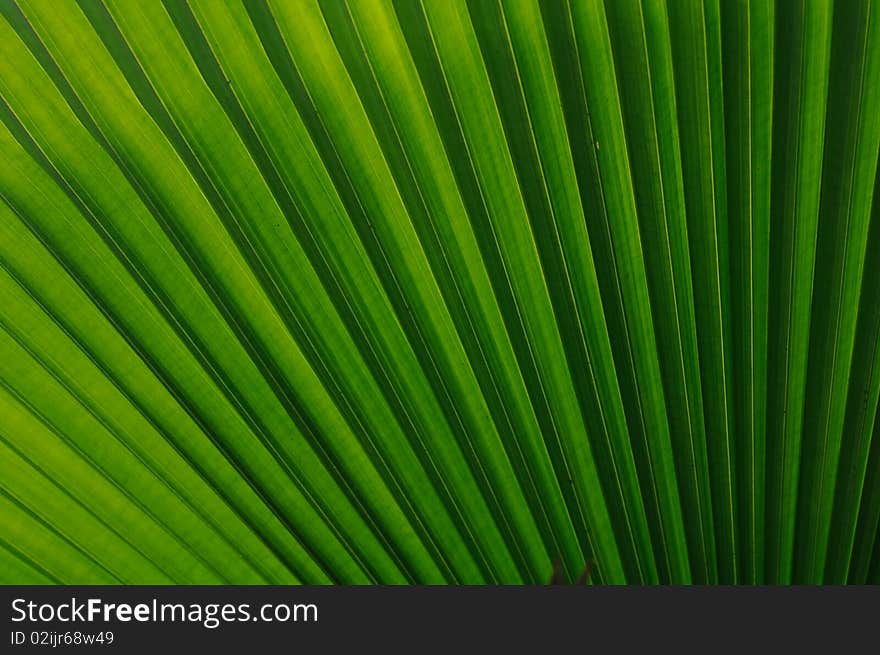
(416, 619)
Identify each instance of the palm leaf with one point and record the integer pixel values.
(439, 291)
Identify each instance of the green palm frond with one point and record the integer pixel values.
(439, 291)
